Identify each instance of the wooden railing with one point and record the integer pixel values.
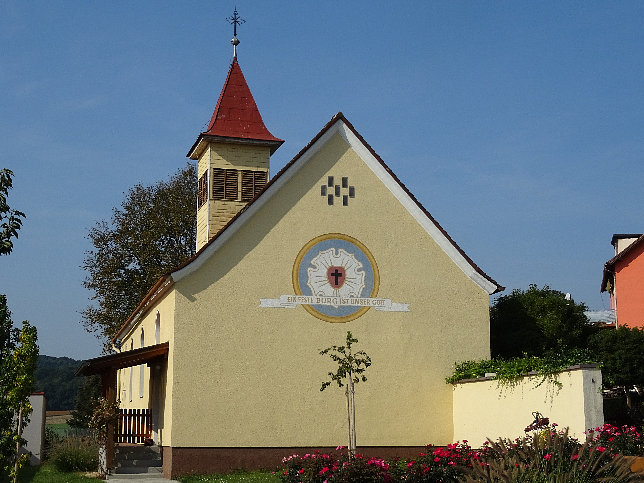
(134, 426)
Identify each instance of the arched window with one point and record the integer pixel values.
(157, 329)
(142, 368)
(131, 370)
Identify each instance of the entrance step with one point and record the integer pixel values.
(138, 460)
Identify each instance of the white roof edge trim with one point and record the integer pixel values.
(256, 206)
(415, 211)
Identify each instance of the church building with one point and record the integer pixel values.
(224, 351)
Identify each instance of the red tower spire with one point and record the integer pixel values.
(236, 117)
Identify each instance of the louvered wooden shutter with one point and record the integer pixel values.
(231, 185)
(224, 184)
(218, 183)
(252, 183)
(247, 190)
(260, 181)
(202, 191)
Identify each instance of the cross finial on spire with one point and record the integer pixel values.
(235, 20)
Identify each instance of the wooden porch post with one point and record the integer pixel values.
(108, 379)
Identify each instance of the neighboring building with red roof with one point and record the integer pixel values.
(623, 279)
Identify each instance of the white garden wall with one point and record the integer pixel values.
(34, 431)
(484, 409)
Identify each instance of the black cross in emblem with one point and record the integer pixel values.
(336, 275)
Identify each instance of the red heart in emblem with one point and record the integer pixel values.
(336, 276)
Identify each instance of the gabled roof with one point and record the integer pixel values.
(337, 125)
(236, 117)
(609, 266)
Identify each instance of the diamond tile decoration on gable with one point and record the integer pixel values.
(331, 190)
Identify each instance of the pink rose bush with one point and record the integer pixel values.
(625, 440)
(436, 464)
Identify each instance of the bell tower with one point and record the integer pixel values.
(233, 153)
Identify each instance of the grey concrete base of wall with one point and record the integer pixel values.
(200, 461)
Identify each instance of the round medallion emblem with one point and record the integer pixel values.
(336, 267)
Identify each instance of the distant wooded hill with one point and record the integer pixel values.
(55, 377)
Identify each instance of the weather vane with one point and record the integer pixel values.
(235, 20)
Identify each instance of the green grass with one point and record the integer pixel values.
(60, 429)
(237, 477)
(46, 473)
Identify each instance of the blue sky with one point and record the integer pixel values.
(518, 125)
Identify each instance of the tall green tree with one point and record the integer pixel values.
(18, 353)
(10, 220)
(537, 321)
(151, 233)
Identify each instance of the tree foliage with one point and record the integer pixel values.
(536, 321)
(10, 220)
(152, 232)
(18, 352)
(351, 365)
(56, 377)
(621, 351)
(87, 398)
(18, 358)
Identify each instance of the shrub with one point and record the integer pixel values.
(312, 467)
(435, 465)
(362, 469)
(52, 439)
(440, 464)
(320, 467)
(625, 440)
(75, 454)
(544, 455)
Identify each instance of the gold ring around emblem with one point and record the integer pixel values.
(296, 275)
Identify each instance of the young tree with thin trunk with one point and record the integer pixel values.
(351, 368)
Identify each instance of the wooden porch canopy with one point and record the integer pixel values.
(113, 362)
(107, 366)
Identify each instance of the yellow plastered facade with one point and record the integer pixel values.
(245, 376)
(157, 378)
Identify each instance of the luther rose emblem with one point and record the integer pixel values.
(335, 266)
(335, 274)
